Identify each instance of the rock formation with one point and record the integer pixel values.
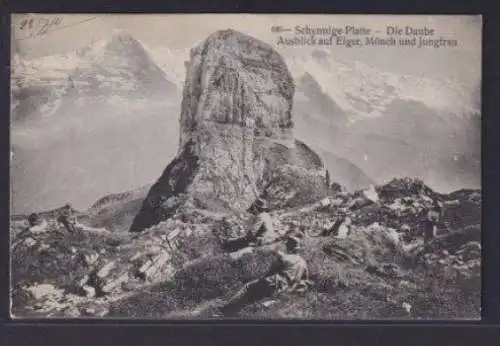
(236, 136)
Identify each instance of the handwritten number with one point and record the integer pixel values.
(44, 26)
(40, 27)
(27, 22)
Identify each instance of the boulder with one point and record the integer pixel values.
(89, 291)
(94, 311)
(154, 269)
(90, 258)
(40, 291)
(106, 269)
(30, 242)
(115, 283)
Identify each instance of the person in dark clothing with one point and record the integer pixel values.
(263, 225)
(228, 242)
(36, 224)
(431, 221)
(34, 219)
(67, 219)
(260, 233)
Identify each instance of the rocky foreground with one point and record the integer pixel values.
(379, 270)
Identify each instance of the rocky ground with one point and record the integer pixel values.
(379, 270)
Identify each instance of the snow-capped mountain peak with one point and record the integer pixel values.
(117, 66)
(120, 43)
(362, 90)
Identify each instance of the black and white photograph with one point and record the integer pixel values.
(245, 166)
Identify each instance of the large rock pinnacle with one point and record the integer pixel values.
(236, 139)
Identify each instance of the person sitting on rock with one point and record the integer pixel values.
(290, 273)
(36, 223)
(261, 233)
(263, 226)
(228, 242)
(67, 219)
(431, 221)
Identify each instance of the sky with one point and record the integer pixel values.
(184, 31)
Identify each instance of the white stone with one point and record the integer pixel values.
(115, 283)
(154, 250)
(89, 311)
(343, 231)
(91, 258)
(393, 235)
(325, 202)
(43, 247)
(29, 242)
(39, 228)
(83, 281)
(174, 233)
(268, 303)
(407, 307)
(104, 271)
(43, 290)
(136, 257)
(89, 291)
(157, 266)
(145, 266)
(237, 254)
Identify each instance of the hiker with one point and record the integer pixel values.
(228, 242)
(295, 230)
(288, 274)
(255, 236)
(406, 233)
(431, 220)
(263, 225)
(36, 223)
(67, 218)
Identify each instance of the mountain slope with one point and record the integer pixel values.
(89, 122)
(407, 137)
(345, 173)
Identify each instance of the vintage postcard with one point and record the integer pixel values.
(222, 166)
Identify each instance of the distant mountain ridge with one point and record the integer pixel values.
(361, 90)
(355, 114)
(113, 69)
(356, 88)
(378, 120)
